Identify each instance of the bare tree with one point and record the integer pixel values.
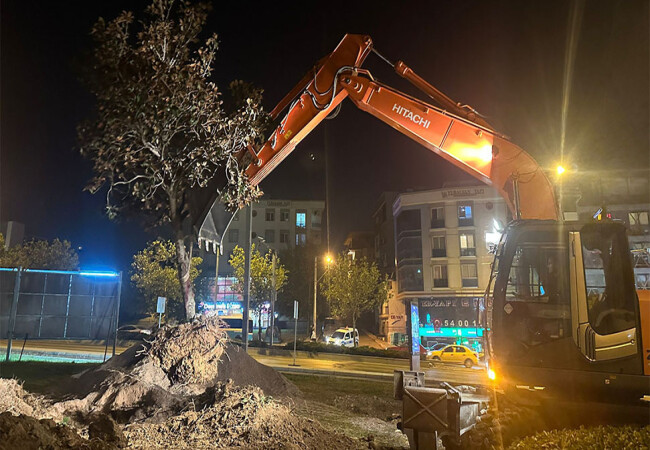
(161, 129)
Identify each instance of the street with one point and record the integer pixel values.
(280, 359)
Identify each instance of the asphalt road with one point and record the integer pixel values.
(282, 360)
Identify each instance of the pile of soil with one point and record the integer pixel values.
(28, 433)
(156, 379)
(237, 417)
(15, 400)
(186, 388)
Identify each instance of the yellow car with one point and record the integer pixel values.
(456, 354)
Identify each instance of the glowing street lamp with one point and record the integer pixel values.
(560, 170)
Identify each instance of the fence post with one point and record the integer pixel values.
(117, 311)
(12, 313)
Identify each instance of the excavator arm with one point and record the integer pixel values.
(453, 132)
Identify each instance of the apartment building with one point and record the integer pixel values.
(443, 243)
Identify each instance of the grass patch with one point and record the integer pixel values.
(372, 398)
(40, 377)
(592, 438)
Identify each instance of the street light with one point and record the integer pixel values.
(560, 169)
(328, 261)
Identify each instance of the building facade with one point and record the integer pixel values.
(443, 243)
(385, 233)
(281, 224)
(623, 196)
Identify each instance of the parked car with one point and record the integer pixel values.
(132, 333)
(456, 354)
(404, 348)
(433, 348)
(346, 337)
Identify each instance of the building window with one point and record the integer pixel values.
(440, 276)
(438, 247)
(637, 218)
(233, 235)
(301, 219)
(269, 236)
(284, 215)
(438, 217)
(315, 219)
(301, 238)
(284, 236)
(467, 246)
(270, 215)
(469, 275)
(465, 215)
(254, 213)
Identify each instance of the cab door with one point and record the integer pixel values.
(604, 306)
(448, 354)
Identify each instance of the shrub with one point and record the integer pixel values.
(321, 347)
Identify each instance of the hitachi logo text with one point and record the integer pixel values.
(415, 118)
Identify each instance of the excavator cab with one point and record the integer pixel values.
(564, 309)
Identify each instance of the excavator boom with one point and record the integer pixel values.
(459, 136)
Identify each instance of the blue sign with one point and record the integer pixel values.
(415, 328)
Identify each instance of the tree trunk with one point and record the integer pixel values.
(184, 256)
(354, 327)
(259, 323)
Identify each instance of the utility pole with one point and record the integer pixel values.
(273, 297)
(247, 274)
(313, 333)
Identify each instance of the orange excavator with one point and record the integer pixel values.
(561, 312)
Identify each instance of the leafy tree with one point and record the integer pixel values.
(353, 286)
(155, 274)
(161, 128)
(261, 288)
(40, 254)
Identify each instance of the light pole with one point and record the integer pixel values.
(328, 260)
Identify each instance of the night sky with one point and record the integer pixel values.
(508, 59)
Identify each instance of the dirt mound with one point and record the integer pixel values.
(156, 379)
(243, 370)
(15, 400)
(237, 417)
(27, 433)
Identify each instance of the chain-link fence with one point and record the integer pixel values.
(57, 304)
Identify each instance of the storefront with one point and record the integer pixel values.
(450, 320)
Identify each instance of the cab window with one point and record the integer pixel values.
(448, 350)
(610, 294)
(460, 350)
(538, 298)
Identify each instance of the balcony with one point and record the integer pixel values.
(470, 282)
(468, 251)
(440, 283)
(466, 222)
(437, 223)
(438, 252)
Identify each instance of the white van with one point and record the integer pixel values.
(346, 337)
